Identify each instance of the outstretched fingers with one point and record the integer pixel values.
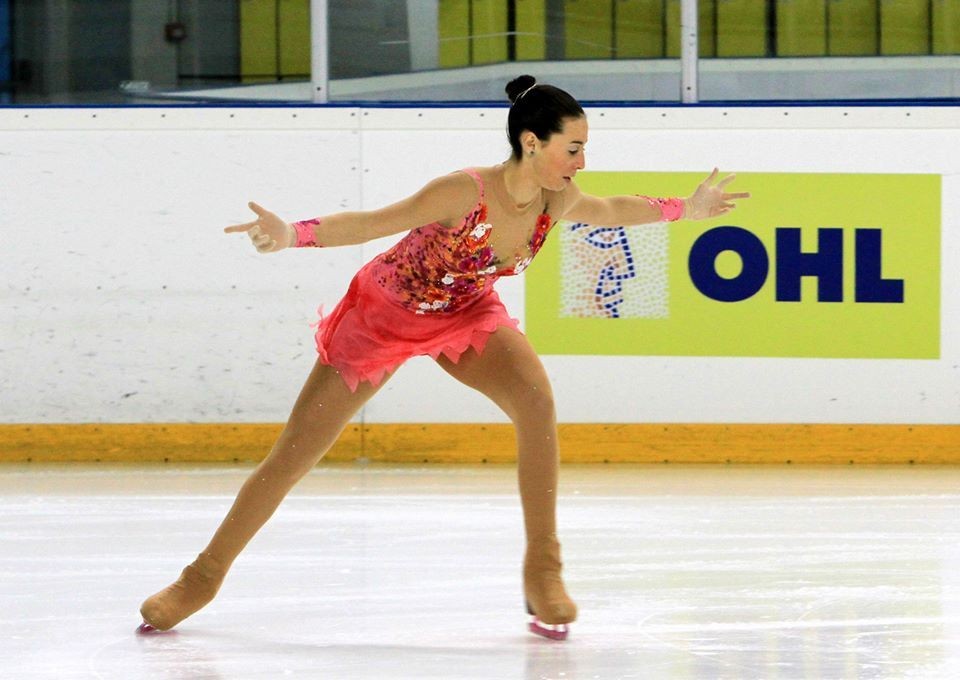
(255, 207)
(264, 243)
(711, 200)
(726, 180)
(721, 185)
(246, 226)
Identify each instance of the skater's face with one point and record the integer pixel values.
(557, 159)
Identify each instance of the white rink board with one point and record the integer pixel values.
(123, 301)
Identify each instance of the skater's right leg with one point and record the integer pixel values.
(510, 373)
(322, 410)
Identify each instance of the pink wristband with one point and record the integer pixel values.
(671, 209)
(306, 237)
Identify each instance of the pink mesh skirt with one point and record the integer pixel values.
(369, 334)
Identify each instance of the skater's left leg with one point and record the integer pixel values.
(510, 373)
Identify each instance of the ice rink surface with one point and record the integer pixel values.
(680, 572)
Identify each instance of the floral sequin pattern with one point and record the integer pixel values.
(437, 270)
(474, 256)
(539, 236)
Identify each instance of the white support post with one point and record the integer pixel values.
(319, 52)
(689, 52)
(423, 27)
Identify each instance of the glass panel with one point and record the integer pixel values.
(6, 54)
(801, 28)
(489, 22)
(904, 27)
(135, 51)
(741, 28)
(531, 30)
(638, 29)
(454, 22)
(368, 38)
(852, 27)
(588, 29)
(946, 26)
(258, 40)
(293, 38)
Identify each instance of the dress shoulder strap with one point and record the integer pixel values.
(476, 178)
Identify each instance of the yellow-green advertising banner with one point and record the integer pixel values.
(812, 265)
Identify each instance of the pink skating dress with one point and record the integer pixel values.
(431, 294)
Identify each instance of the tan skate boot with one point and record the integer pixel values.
(197, 585)
(547, 599)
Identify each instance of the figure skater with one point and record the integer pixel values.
(432, 294)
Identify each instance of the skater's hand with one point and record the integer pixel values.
(268, 232)
(710, 200)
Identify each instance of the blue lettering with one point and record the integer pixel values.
(870, 286)
(703, 258)
(826, 264)
(792, 264)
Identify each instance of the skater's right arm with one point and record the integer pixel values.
(444, 200)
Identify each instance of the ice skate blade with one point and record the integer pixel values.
(552, 631)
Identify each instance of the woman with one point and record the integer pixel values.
(432, 293)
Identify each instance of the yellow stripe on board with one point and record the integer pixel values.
(493, 443)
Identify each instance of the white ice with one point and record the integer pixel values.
(414, 572)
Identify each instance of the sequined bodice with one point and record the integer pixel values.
(435, 269)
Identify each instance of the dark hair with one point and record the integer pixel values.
(537, 108)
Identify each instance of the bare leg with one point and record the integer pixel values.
(322, 410)
(510, 373)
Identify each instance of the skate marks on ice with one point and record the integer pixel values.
(722, 572)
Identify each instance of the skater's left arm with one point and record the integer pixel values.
(709, 200)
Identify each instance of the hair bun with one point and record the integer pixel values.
(518, 86)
